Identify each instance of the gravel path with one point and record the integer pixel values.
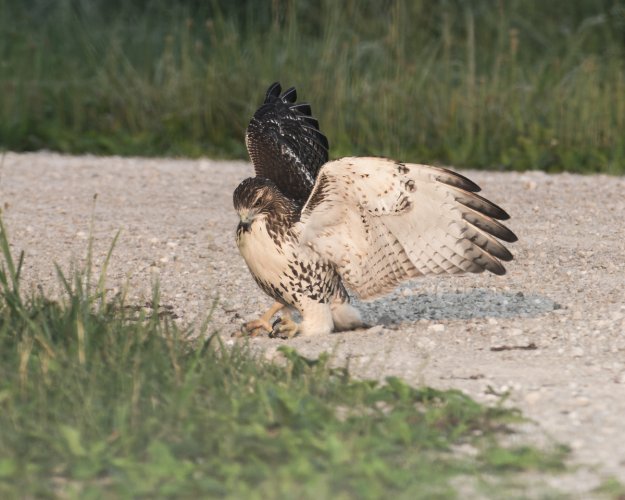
(551, 332)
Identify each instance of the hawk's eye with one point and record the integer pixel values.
(258, 203)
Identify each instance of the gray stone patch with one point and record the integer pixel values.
(478, 303)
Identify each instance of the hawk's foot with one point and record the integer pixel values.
(259, 326)
(254, 328)
(284, 328)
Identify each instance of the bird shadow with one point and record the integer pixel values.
(397, 308)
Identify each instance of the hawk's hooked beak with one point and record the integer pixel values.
(246, 218)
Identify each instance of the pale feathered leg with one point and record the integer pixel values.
(261, 325)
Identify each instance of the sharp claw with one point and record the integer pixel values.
(283, 328)
(275, 334)
(275, 329)
(261, 325)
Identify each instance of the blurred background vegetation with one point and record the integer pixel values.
(507, 84)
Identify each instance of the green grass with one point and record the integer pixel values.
(99, 400)
(490, 84)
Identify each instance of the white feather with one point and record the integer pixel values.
(269, 263)
(381, 222)
(265, 260)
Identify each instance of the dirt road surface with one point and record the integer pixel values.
(551, 332)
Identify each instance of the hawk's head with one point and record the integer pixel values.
(258, 198)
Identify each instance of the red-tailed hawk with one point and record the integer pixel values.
(311, 229)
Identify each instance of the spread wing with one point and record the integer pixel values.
(285, 144)
(381, 222)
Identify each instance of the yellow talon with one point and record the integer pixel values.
(284, 327)
(261, 325)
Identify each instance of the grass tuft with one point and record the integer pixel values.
(99, 401)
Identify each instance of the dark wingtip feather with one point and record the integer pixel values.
(323, 140)
(502, 254)
(502, 214)
(273, 92)
(505, 255)
(285, 144)
(513, 237)
(489, 245)
(491, 226)
(486, 261)
(303, 108)
(455, 179)
(499, 270)
(290, 95)
(480, 204)
(312, 122)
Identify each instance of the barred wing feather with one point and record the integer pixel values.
(285, 144)
(381, 222)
